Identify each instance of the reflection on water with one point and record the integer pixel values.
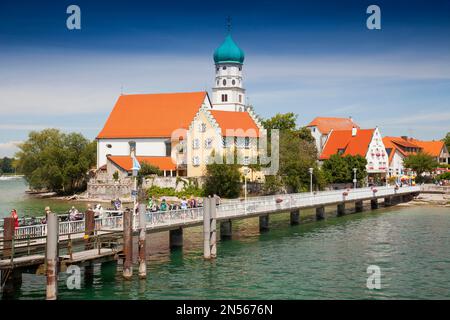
(318, 260)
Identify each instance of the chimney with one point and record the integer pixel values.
(354, 131)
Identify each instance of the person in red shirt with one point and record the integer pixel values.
(16, 218)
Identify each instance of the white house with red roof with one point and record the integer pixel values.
(178, 132)
(367, 143)
(321, 127)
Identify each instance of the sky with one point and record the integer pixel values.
(313, 58)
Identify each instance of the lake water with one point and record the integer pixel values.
(314, 260)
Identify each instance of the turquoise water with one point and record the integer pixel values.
(314, 260)
(12, 196)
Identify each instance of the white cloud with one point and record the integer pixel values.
(8, 149)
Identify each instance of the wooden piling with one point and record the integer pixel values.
(387, 201)
(226, 230)
(52, 256)
(206, 228)
(264, 223)
(213, 230)
(341, 209)
(142, 242)
(8, 235)
(89, 229)
(295, 217)
(359, 206)
(127, 244)
(176, 238)
(374, 204)
(320, 213)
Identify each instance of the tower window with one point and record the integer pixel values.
(233, 82)
(217, 82)
(224, 82)
(240, 98)
(224, 98)
(217, 68)
(240, 68)
(224, 68)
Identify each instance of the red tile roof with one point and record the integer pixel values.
(433, 148)
(326, 124)
(240, 122)
(151, 115)
(394, 143)
(343, 140)
(126, 163)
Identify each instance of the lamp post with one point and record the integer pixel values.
(311, 170)
(354, 178)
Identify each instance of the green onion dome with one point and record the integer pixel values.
(229, 52)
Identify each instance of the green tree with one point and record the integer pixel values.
(447, 140)
(339, 169)
(147, 170)
(420, 162)
(297, 153)
(6, 165)
(56, 161)
(282, 122)
(223, 180)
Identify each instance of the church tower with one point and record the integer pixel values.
(228, 92)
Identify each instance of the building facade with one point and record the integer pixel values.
(180, 132)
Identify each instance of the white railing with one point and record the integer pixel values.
(113, 220)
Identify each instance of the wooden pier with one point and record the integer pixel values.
(52, 247)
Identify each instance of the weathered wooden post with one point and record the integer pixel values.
(176, 238)
(142, 235)
(52, 256)
(264, 223)
(11, 280)
(226, 229)
(387, 201)
(320, 213)
(128, 244)
(206, 228)
(374, 204)
(295, 217)
(341, 209)
(8, 234)
(359, 206)
(213, 230)
(89, 228)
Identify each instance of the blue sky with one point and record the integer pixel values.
(314, 58)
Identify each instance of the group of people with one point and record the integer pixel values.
(183, 204)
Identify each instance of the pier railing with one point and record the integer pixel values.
(110, 220)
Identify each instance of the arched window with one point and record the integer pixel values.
(224, 68)
(224, 82)
(233, 82)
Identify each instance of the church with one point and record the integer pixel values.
(180, 132)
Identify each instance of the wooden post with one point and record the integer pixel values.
(295, 217)
(263, 223)
(89, 228)
(213, 217)
(52, 256)
(359, 206)
(341, 209)
(8, 234)
(128, 244)
(226, 229)
(142, 235)
(320, 213)
(374, 204)
(176, 238)
(387, 201)
(206, 228)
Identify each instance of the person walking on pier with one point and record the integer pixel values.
(15, 217)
